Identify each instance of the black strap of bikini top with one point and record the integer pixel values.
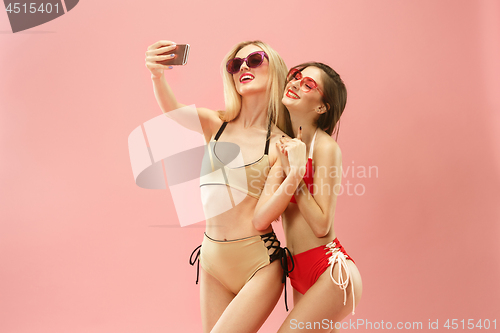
(268, 139)
(196, 259)
(268, 136)
(221, 129)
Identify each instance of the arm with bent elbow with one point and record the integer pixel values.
(319, 210)
(207, 119)
(282, 181)
(275, 197)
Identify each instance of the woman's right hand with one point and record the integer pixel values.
(153, 56)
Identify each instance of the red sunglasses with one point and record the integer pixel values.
(253, 60)
(306, 83)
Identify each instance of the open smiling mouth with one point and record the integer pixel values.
(291, 94)
(246, 78)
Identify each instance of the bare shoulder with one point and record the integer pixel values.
(327, 150)
(211, 120)
(210, 115)
(277, 133)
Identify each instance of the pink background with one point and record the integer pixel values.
(83, 249)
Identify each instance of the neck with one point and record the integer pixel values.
(308, 128)
(253, 111)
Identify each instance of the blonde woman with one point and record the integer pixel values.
(327, 284)
(241, 275)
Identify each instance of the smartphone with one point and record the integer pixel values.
(181, 56)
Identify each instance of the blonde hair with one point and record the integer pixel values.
(275, 85)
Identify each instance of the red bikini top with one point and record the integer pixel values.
(308, 176)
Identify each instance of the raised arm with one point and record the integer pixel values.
(165, 97)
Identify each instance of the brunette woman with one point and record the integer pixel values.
(327, 284)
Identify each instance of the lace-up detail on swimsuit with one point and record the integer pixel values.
(235, 262)
(249, 178)
(309, 266)
(339, 256)
(272, 244)
(277, 252)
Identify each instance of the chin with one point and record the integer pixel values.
(286, 100)
(251, 91)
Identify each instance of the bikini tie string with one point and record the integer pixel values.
(192, 261)
(286, 272)
(272, 243)
(337, 256)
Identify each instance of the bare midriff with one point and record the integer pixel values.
(236, 222)
(298, 233)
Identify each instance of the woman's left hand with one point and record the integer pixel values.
(295, 150)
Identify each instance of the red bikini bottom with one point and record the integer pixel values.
(309, 266)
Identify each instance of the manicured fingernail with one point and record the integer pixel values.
(300, 128)
(172, 55)
(170, 67)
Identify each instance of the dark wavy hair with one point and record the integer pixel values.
(335, 100)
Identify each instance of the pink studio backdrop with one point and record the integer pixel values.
(83, 249)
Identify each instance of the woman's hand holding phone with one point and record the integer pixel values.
(154, 56)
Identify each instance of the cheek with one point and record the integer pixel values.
(262, 71)
(261, 79)
(310, 100)
(237, 84)
(265, 81)
(286, 89)
(305, 100)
